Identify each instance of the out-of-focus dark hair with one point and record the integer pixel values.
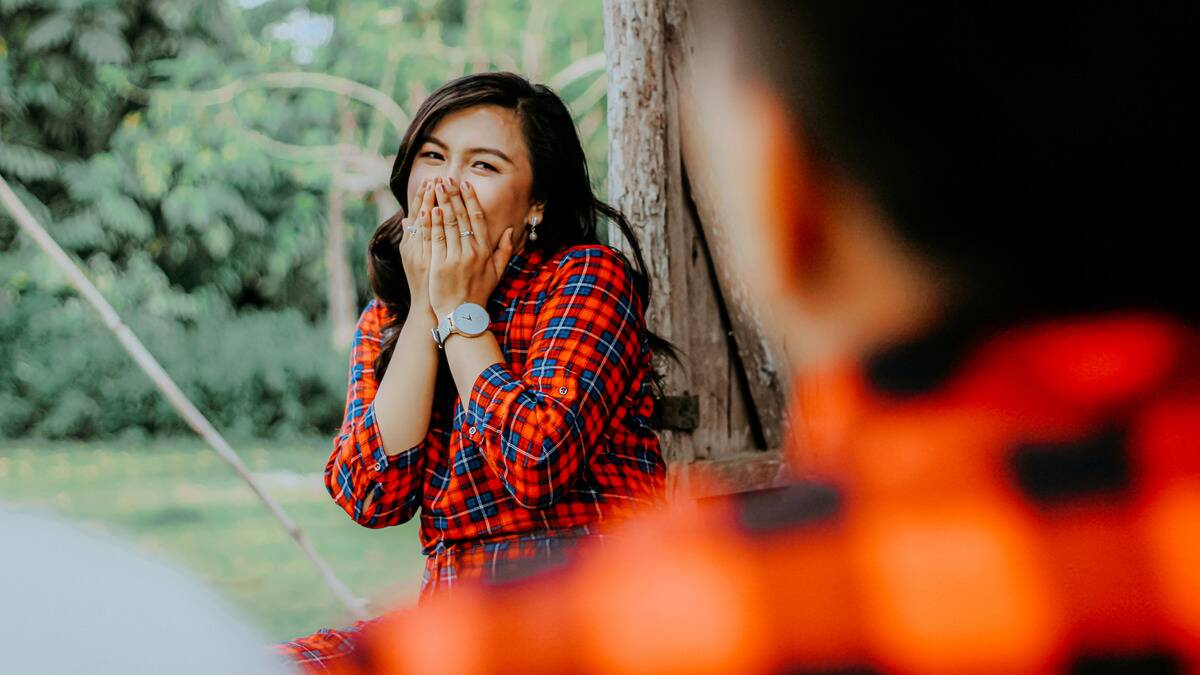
(560, 182)
(1040, 154)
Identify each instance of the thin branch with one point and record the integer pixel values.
(578, 70)
(358, 91)
(534, 42)
(361, 171)
(387, 85)
(171, 391)
(591, 96)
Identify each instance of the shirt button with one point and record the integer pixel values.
(379, 466)
(562, 391)
(472, 431)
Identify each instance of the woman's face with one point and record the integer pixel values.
(483, 145)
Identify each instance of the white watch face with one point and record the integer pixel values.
(471, 319)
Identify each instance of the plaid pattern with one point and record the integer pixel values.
(555, 438)
(552, 444)
(326, 651)
(501, 560)
(1032, 508)
(490, 562)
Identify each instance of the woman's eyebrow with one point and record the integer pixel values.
(471, 151)
(490, 151)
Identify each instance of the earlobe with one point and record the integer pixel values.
(534, 218)
(535, 211)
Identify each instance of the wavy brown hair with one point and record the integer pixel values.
(571, 214)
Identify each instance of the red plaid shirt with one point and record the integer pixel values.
(1026, 505)
(555, 439)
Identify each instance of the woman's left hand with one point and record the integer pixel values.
(463, 267)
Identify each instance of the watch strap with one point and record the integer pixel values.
(443, 331)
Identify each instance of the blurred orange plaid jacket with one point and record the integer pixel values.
(1025, 503)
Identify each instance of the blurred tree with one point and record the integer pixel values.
(211, 160)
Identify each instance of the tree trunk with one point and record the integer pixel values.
(726, 402)
(340, 284)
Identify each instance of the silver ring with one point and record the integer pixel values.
(410, 230)
(466, 234)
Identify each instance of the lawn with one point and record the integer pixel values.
(177, 499)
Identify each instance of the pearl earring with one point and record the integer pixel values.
(533, 223)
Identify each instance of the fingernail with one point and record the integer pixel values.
(441, 189)
(467, 185)
(437, 210)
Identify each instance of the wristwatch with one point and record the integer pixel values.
(467, 319)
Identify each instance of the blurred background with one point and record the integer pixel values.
(216, 167)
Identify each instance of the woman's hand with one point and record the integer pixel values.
(415, 250)
(463, 267)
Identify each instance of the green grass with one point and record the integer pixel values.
(177, 499)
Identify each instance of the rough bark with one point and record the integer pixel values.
(760, 353)
(648, 181)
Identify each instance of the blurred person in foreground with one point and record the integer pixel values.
(76, 601)
(969, 222)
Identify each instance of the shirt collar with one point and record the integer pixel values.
(523, 265)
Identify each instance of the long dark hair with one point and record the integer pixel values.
(560, 182)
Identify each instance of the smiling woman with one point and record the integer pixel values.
(500, 380)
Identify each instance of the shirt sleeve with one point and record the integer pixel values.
(536, 429)
(375, 490)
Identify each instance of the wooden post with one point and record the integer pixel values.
(730, 372)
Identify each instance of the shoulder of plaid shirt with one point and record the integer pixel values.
(586, 363)
(1032, 509)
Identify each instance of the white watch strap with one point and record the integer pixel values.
(444, 329)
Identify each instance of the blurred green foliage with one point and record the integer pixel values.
(184, 152)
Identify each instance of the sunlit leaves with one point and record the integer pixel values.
(26, 163)
(52, 31)
(102, 46)
(124, 216)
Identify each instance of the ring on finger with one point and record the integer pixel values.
(466, 233)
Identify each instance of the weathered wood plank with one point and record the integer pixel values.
(648, 182)
(760, 352)
(741, 472)
(637, 168)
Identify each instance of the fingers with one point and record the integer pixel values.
(503, 254)
(415, 205)
(410, 223)
(438, 229)
(427, 204)
(449, 222)
(421, 222)
(475, 215)
(454, 196)
(391, 230)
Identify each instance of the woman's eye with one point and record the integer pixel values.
(431, 154)
(485, 166)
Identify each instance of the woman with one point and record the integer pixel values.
(500, 380)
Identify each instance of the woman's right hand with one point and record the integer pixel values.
(415, 246)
